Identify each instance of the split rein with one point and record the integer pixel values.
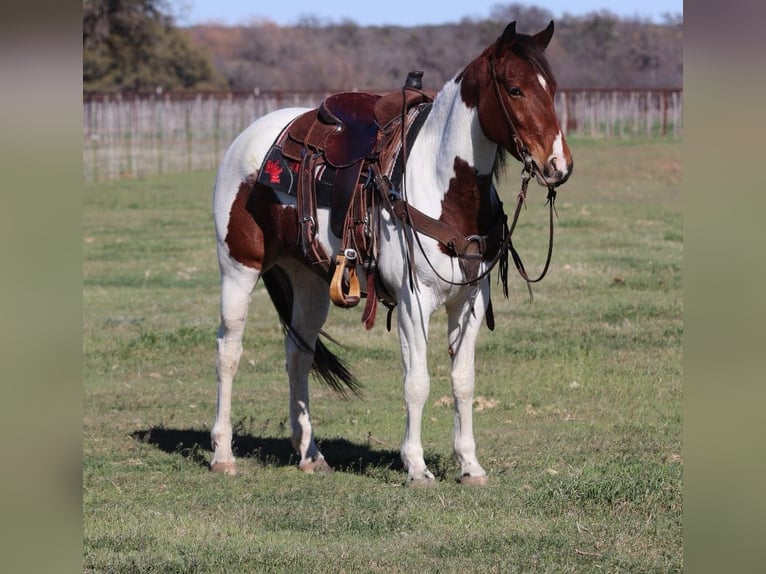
(506, 245)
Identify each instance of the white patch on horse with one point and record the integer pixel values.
(558, 146)
(558, 154)
(442, 139)
(542, 81)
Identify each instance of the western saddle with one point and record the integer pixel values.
(331, 157)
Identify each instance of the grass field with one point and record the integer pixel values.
(578, 409)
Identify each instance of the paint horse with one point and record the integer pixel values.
(432, 227)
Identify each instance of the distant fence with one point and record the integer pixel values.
(144, 134)
(621, 113)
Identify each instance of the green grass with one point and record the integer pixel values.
(578, 420)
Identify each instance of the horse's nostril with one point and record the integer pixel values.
(551, 169)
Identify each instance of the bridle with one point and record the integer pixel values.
(506, 246)
(526, 175)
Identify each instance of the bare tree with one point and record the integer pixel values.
(596, 50)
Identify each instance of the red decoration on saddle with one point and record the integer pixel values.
(274, 170)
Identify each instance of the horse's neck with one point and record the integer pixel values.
(451, 131)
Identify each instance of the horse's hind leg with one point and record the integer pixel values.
(311, 303)
(236, 288)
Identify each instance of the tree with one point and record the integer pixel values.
(134, 45)
(600, 50)
(530, 19)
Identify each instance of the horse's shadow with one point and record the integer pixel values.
(341, 454)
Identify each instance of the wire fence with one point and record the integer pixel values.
(135, 135)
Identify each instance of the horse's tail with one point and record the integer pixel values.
(332, 370)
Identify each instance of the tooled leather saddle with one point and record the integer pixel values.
(327, 157)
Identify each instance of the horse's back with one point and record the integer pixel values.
(244, 157)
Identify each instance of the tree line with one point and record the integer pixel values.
(135, 45)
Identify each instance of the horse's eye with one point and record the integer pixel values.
(515, 91)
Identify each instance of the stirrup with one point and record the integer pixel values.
(345, 261)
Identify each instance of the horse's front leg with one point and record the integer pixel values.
(465, 318)
(414, 314)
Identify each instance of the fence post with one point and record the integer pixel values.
(571, 115)
(564, 112)
(649, 109)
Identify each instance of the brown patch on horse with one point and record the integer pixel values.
(259, 226)
(468, 205)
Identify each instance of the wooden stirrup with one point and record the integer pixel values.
(345, 261)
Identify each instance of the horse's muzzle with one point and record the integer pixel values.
(551, 174)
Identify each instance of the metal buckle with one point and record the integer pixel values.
(481, 246)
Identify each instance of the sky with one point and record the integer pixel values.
(396, 12)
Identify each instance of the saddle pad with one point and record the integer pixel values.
(280, 173)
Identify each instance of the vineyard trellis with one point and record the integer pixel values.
(134, 135)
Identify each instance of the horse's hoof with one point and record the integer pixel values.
(228, 468)
(468, 480)
(427, 479)
(318, 466)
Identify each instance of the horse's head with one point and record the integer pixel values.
(512, 87)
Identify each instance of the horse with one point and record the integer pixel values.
(499, 104)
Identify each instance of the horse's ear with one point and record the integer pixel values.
(508, 37)
(542, 39)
